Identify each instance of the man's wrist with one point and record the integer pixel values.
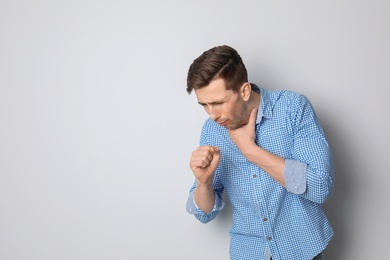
(249, 151)
(204, 185)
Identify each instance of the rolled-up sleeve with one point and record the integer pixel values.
(295, 176)
(310, 148)
(203, 217)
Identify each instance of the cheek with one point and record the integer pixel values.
(239, 113)
(227, 112)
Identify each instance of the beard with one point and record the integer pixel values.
(240, 119)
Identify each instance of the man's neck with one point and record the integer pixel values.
(254, 100)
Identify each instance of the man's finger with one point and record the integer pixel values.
(253, 116)
(216, 150)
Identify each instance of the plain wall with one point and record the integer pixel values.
(96, 128)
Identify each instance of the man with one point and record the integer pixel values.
(267, 149)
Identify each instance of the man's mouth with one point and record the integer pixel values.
(222, 123)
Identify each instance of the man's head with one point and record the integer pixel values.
(219, 79)
(219, 62)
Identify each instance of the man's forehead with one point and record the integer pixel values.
(210, 97)
(214, 92)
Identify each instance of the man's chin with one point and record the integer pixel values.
(231, 127)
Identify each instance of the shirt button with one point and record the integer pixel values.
(269, 238)
(254, 175)
(265, 219)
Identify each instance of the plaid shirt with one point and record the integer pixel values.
(268, 219)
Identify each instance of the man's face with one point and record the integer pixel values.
(225, 107)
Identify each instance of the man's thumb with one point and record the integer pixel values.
(217, 151)
(216, 157)
(253, 116)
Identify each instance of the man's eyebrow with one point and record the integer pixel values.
(212, 103)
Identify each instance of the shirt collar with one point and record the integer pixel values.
(264, 104)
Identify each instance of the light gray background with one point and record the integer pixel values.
(96, 127)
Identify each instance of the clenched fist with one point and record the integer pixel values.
(204, 160)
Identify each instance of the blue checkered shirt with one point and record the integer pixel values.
(268, 219)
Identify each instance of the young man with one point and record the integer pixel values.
(268, 150)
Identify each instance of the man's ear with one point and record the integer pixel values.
(246, 91)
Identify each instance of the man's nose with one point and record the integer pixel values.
(214, 113)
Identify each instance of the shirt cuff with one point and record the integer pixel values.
(295, 176)
(193, 208)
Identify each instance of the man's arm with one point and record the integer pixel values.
(311, 147)
(270, 163)
(311, 163)
(204, 161)
(244, 139)
(204, 197)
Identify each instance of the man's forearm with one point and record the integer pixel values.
(270, 163)
(204, 197)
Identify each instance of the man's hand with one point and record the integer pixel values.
(203, 163)
(244, 137)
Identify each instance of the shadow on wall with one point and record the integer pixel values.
(339, 208)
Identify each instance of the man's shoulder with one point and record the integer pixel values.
(211, 125)
(212, 133)
(211, 128)
(287, 97)
(283, 93)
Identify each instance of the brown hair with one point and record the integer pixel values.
(218, 62)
